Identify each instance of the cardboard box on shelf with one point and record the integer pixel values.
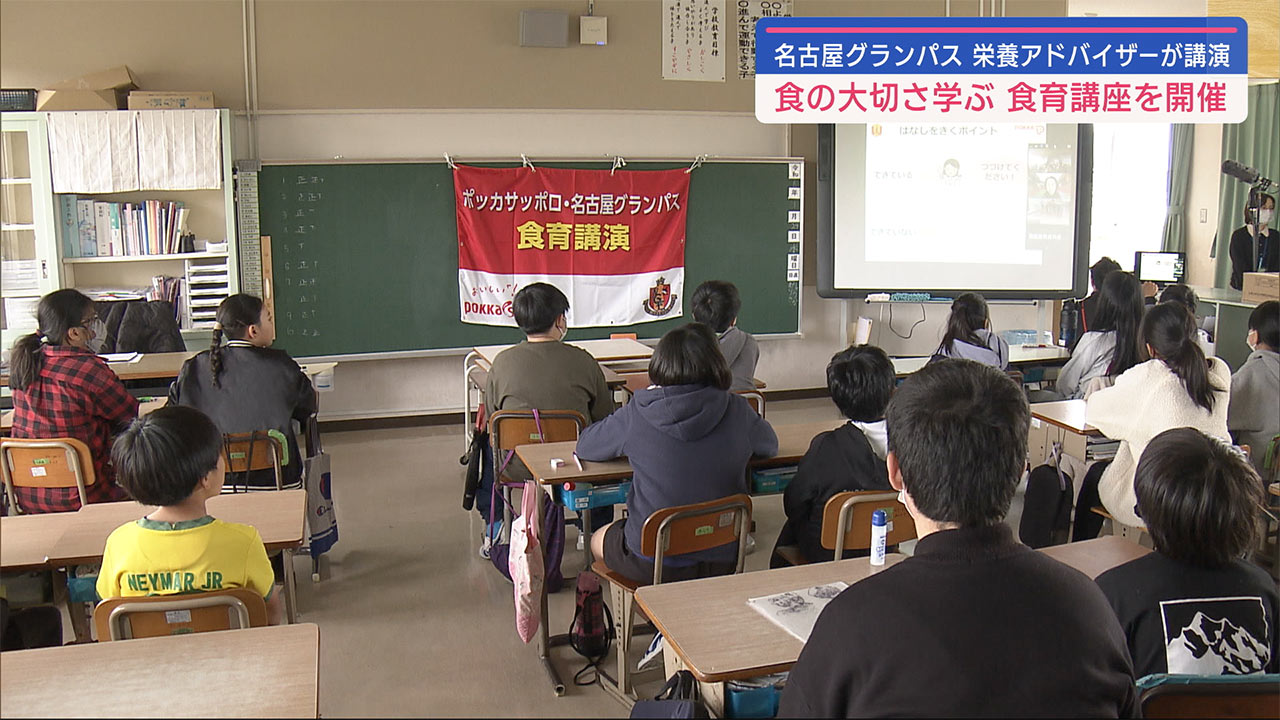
(104, 90)
(149, 100)
(1260, 287)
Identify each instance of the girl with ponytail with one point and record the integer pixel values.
(969, 335)
(1177, 387)
(245, 385)
(61, 388)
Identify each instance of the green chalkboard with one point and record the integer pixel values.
(365, 255)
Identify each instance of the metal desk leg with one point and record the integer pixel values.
(290, 587)
(470, 362)
(545, 639)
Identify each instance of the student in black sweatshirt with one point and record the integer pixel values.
(974, 623)
(1195, 606)
(851, 457)
(688, 439)
(247, 385)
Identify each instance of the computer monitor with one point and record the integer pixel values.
(1162, 268)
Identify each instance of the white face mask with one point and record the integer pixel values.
(1250, 339)
(97, 335)
(1264, 216)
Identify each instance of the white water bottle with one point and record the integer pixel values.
(879, 529)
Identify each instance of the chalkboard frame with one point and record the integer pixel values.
(795, 164)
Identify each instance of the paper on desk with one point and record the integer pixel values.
(796, 611)
(126, 357)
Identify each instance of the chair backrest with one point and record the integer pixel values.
(701, 526)
(124, 618)
(622, 336)
(755, 399)
(257, 450)
(847, 515)
(511, 428)
(1222, 696)
(45, 463)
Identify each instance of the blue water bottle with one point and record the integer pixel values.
(879, 529)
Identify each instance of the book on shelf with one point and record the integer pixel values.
(121, 229)
(85, 221)
(68, 226)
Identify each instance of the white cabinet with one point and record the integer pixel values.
(104, 157)
(29, 264)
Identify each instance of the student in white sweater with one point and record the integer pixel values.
(1177, 387)
(1111, 346)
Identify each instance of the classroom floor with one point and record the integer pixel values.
(412, 621)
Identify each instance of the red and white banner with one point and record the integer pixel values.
(613, 242)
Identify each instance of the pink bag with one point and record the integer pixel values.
(526, 566)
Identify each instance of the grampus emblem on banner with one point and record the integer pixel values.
(661, 300)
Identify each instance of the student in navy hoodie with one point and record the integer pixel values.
(688, 439)
(968, 335)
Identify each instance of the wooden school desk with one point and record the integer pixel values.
(279, 516)
(153, 366)
(712, 632)
(253, 672)
(793, 442)
(475, 368)
(1018, 355)
(27, 540)
(1096, 556)
(6, 419)
(1061, 421)
(637, 381)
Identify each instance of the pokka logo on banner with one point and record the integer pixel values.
(612, 241)
(858, 70)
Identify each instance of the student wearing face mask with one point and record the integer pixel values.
(544, 373)
(1267, 257)
(1253, 415)
(61, 388)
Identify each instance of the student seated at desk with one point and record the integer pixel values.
(1177, 387)
(1195, 606)
(61, 388)
(688, 439)
(974, 623)
(247, 386)
(1111, 345)
(173, 458)
(1253, 415)
(851, 457)
(545, 373)
(1098, 273)
(716, 304)
(1180, 293)
(969, 335)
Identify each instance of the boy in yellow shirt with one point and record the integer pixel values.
(172, 458)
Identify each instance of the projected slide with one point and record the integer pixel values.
(954, 206)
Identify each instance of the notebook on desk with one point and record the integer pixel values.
(125, 357)
(796, 611)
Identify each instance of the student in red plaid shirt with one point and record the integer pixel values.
(61, 388)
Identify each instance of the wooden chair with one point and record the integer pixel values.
(257, 450)
(1221, 696)
(847, 515)
(508, 429)
(46, 463)
(669, 532)
(755, 399)
(125, 618)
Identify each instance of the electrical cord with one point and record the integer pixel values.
(910, 331)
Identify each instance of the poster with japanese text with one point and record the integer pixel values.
(693, 40)
(613, 242)
(748, 12)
